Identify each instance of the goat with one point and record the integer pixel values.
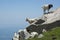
(47, 7)
(30, 21)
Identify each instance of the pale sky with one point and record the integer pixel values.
(14, 12)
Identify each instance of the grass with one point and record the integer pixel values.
(54, 33)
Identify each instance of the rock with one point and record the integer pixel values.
(33, 34)
(27, 35)
(16, 36)
(52, 17)
(40, 36)
(24, 34)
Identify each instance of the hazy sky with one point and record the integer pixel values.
(14, 12)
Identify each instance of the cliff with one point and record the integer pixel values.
(52, 20)
(37, 26)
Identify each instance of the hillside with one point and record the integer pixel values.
(51, 20)
(48, 25)
(49, 35)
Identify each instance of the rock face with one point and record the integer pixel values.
(51, 20)
(23, 34)
(37, 26)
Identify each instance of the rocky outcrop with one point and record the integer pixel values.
(45, 23)
(52, 20)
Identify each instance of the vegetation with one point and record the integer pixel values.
(53, 34)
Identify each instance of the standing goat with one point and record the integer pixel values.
(47, 7)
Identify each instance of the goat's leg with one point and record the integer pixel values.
(48, 11)
(44, 11)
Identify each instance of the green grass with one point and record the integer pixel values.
(48, 35)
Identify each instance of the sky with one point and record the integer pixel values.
(14, 12)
